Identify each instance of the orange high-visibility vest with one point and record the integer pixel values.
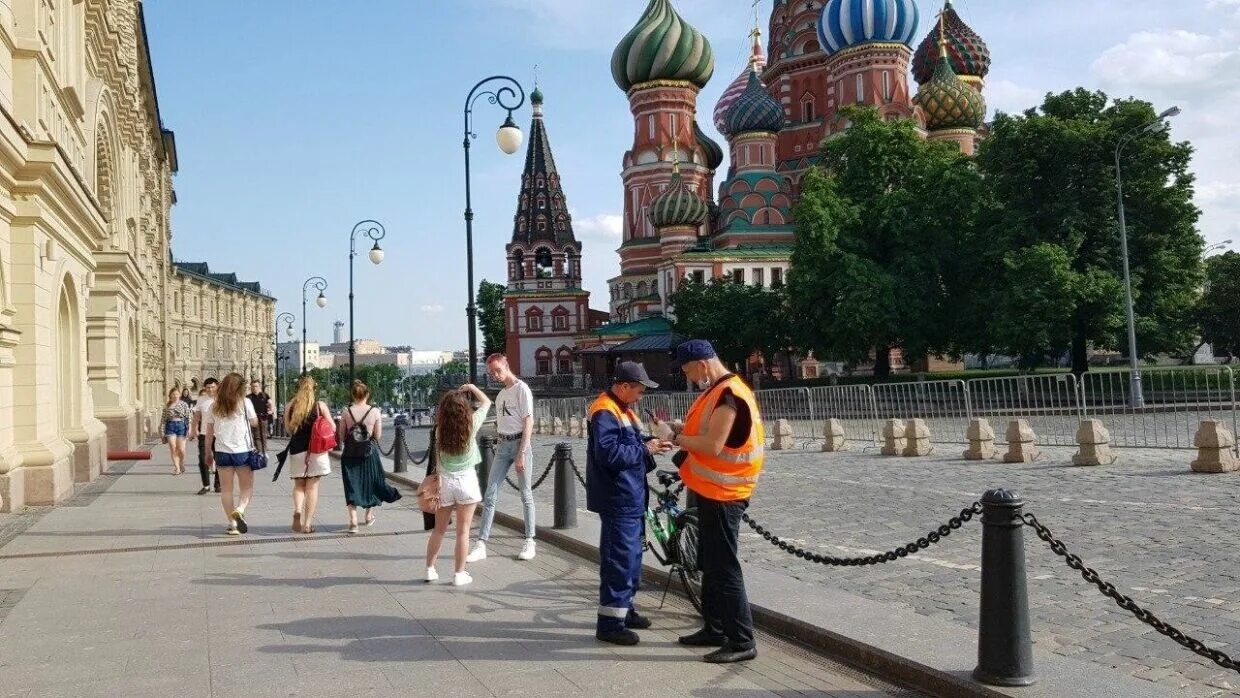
(625, 416)
(732, 474)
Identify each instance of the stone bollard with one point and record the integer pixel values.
(1215, 449)
(917, 434)
(557, 427)
(565, 496)
(574, 427)
(1004, 640)
(585, 427)
(981, 440)
(833, 438)
(1021, 440)
(894, 439)
(540, 425)
(783, 435)
(1095, 442)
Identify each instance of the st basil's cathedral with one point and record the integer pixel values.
(820, 56)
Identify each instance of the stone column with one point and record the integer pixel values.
(894, 438)
(1021, 440)
(1095, 443)
(833, 437)
(1216, 449)
(917, 434)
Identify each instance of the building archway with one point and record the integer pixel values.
(68, 353)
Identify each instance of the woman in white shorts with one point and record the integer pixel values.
(456, 439)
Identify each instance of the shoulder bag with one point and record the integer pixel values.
(428, 490)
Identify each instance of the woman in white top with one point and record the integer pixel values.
(229, 438)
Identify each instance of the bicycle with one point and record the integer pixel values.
(676, 535)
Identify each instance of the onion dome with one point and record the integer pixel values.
(678, 204)
(714, 154)
(847, 23)
(970, 57)
(536, 97)
(662, 46)
(757, 62)
(948, 101)
(754, 110)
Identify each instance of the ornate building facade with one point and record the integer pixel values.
(545, 306)
(85, 263)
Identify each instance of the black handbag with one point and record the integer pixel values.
(254, 459)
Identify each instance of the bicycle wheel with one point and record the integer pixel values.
(685, 546)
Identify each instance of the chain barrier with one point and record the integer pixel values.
(1108, 590)
(541, 478)
(922, 543)
(577, 472)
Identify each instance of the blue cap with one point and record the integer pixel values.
(693, 350)
(633, 372)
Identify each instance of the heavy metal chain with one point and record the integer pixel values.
(922, 543)
(577, 472)
(1108, 589)
(542, 477)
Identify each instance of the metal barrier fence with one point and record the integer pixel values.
(1176, 401)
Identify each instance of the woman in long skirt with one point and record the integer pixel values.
(365, 484)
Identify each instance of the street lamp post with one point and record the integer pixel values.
(508, 138)
(320, 284)
(288, 319)
(375, 231)
(1157, 125)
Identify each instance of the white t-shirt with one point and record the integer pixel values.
(512, 406)
(232, 434)
(203, 408)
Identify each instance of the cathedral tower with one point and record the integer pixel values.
(868, 55)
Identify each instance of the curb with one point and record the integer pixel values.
(866, 657)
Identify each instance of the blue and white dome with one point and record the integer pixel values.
(847, 23)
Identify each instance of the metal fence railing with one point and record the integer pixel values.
(1176, 401)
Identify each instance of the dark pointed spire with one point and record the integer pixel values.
(542, 209)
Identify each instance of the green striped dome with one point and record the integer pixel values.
(662, 46)
(949, 102)
(677, 205)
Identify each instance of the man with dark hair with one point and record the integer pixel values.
(618, 457)
(262, 408)
(206, 460)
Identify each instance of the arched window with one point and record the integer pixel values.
(860, 88)
(518, 265)
(534, 320)
(543, 264)
(808, 109)
(542, 201)
(628, 290)
(559, 319)
(886, 85)
(564, 361)
(542, 361)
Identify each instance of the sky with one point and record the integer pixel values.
(295, 119)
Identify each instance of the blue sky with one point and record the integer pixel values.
(296, 118)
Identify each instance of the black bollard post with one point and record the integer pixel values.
(1004, 644)
(565, 488)
(400, 454)
(487, 444)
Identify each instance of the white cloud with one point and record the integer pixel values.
(604, 227)
(432, 308)
(1011, 98)
(1175, 60)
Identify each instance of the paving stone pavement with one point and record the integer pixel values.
(1161, 534)
(138, 592)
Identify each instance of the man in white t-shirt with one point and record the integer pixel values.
(198, 428)
(514, 417)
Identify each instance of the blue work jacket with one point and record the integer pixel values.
(616, 460)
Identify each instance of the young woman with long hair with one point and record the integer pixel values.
(306, 471)
(176, 418)
(229, 421)
(456, 439)
(365, 485)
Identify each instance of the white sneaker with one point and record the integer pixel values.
(432, 575)
(527, 550)
(460, 579)
(478, 553)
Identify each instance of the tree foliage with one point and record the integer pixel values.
(738, 319)
(1218, 314)
(491, 316)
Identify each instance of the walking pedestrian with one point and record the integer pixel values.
(365, 484)
(299, 416)
(723, 442)
(197, 430)
(263, 408)
(229, 424)
(456, 438)
(618, 457)
(176, 418)
(514, 419)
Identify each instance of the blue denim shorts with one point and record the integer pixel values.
(176, 427)
(232, 460)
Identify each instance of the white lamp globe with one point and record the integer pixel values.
(288, 331)
(376, 254)
(321, 301)
(509, 137)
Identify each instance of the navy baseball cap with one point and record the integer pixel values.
(693, 350)
(633, 372)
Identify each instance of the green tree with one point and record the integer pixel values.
(1218, 314)
(738, 319)
(1052, 171)
(491, 316)
(886, 251)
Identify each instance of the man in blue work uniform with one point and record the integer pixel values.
(617, 460)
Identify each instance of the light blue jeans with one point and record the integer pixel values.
(505, 456)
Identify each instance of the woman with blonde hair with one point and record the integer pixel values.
(299, 416)
(229, 421)
(176, 418)
(365, 485)
(456, 440)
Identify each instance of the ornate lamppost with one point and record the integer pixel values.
(320, 284)
(508, 138)
(375, 231)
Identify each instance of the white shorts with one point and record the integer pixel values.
(459, 488)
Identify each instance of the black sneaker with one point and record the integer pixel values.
(617, 637)
(637, 621)
(703, 638)
(728, 655)
(204, 490)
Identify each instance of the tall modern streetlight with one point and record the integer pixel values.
(508, 138)
(1216, 246)
(320, 284)
(375, 231)
(288, 319)
(1158, 125)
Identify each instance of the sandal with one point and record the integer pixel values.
(370, 519)
(297, 522)
(352, 528)
(308, 530)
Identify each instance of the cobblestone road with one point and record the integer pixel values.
(1160, 533)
